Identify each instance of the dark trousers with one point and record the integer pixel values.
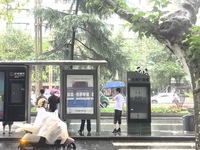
(118, 116)
(83, 125)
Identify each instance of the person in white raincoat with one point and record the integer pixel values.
(50, 126)
(41, 111)
(47, 125)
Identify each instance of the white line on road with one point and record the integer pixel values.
(157, 149)
(152, 144)
(163, 124)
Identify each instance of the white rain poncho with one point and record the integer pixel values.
(41, 114)
(48, 125)
(53, 129)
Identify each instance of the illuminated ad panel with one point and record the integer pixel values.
(80, 94)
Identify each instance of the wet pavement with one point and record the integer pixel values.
(160, 127)
(166, 133)
(80, 145)
(116, 145)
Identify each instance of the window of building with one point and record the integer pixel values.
(67, 1)
(22, 14)
(22, 26)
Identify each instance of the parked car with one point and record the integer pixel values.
(104, 101)
(166, 98)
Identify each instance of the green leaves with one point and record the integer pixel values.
(162, 65)
(93, 40)
(160, 3)
(8, 8)
(16, 45)
(170, 109)
(192, 42)
(143, 22)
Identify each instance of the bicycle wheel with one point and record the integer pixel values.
(71, 146)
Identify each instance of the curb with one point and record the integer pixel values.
(139, 138)
(152, 115)
(108, 115)
(135, 138)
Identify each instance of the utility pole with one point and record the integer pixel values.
(73, 34)
(38, 49)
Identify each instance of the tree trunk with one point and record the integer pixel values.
(171, 33)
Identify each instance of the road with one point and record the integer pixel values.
(154, 145)
(117, 145)
(188, 103)
(159, 126)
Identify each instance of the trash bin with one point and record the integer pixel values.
(188, 123)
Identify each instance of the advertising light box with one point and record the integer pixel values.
(80, 94)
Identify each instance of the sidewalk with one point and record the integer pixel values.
(161, 128)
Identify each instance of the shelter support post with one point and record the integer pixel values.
(98, 100)
(62, 94)
(29, 87)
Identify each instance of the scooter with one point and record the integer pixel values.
(49, 133)
(35, 142)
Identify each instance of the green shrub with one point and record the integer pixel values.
(171, 109)
(33, 109)
(107, 110)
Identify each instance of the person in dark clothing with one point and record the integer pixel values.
(9, 123)
(83, 125)
(53, 101)
(41, 96)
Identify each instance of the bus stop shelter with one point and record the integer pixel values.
(79, 89)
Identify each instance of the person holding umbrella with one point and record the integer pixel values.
(119, 103)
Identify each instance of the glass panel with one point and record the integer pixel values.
(82, 99)
(138, 103)
(2, 78)
(16, 93)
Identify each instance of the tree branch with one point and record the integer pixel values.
(175, 25)
(82, 53)
(118, 10)
(55, 49)
(88, 48)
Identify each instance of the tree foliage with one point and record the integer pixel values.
(192, 42)
(171, 31)
(93, 39)
(8, 8)
(162, 65)
(169, 28)
(16, 45)
(144, 22)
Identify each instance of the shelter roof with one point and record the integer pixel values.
(55, 62)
